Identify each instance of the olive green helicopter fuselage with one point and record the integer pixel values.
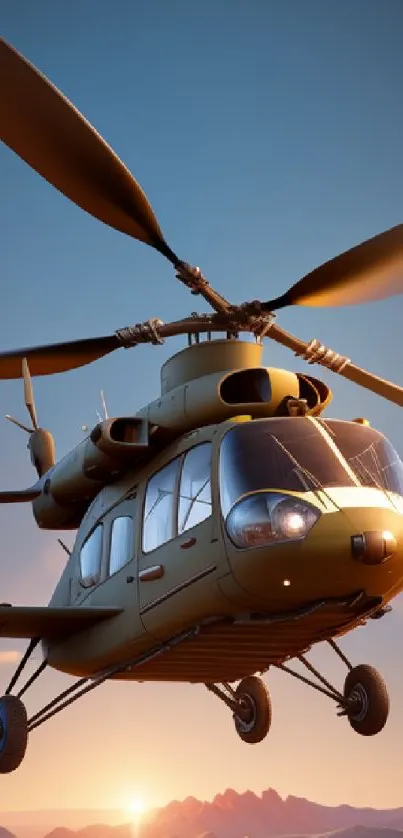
(228, 526)
(266, 532)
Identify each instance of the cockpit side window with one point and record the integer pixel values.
(90, 558)
(178, 497)
(121, 542)
(159, 524)
(195, 487)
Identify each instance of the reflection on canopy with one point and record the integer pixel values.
(300, 454)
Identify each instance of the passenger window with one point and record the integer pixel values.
(90, 558)
(120, 548)
(195, 487)
(158, 522)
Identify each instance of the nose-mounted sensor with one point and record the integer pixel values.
(373, 547)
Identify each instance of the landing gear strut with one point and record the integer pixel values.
(14, 724)
(251, 707)
(364, 700)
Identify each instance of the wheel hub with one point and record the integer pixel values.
(358, 703)
(246, 714)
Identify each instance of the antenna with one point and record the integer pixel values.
(100, 418)
(104, 405)
(104, 409)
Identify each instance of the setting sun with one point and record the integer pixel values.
(136, 806)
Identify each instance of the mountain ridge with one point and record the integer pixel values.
(229, 814)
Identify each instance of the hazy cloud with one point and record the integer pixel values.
(9, 656)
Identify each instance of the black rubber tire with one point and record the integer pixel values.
(13, 733)
(254, 694)
(370, 688)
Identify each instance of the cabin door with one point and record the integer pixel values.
(179, 554)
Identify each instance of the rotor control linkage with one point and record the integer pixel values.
(250, 316)
(193, 278)
(147, 332)
(317, 353)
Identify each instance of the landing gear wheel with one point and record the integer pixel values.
(367, 699)
(13, 733)
(254, 719)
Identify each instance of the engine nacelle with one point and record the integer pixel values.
(205, 384)
(112, 448)
(257, 392)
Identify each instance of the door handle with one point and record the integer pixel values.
(189, 543)
(150, 573)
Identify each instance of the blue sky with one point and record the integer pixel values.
(267, 136)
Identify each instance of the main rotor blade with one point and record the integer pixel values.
(59, 357)
(371, 271)
(52, 136)
(329, 359)
(56, 357)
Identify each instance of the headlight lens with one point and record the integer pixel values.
(269, 517)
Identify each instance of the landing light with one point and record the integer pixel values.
(293, 524)
(268, 517)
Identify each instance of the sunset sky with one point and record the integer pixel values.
(268, 137)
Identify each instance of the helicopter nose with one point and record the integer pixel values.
(373, 547)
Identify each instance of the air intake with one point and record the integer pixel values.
(252, 386)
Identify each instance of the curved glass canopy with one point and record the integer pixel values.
(302, 454)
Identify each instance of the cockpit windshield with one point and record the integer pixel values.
(303, 454)
(368, 453)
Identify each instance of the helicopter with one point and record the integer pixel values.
(228, 526)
